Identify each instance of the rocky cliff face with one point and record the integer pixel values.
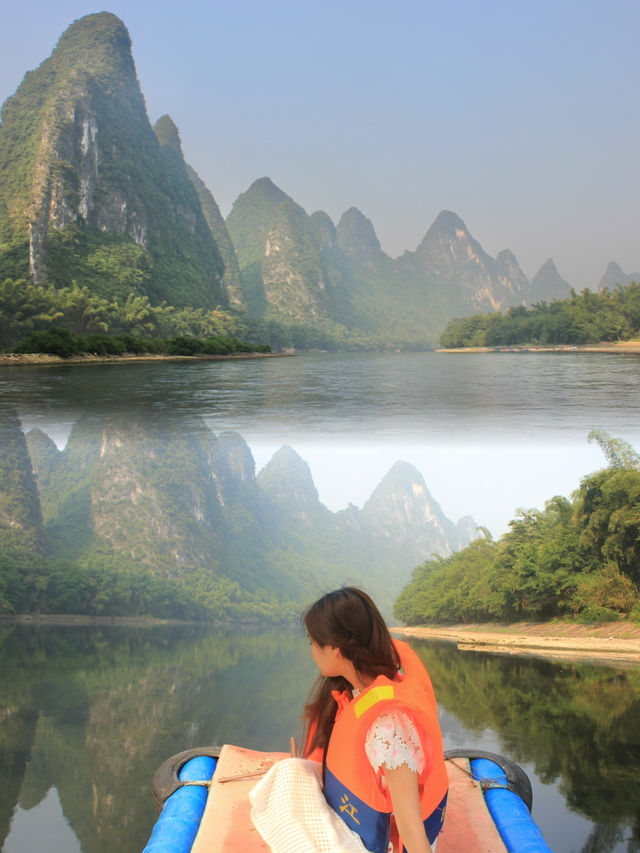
(89, 194)
(511, 277)
(69, 158)
(86, 193)
(280, 253)
(248, 224)
(454, 266)
(296, 285)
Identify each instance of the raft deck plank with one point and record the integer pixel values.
(468, 824)
(226, 825)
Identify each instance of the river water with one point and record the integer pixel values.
(87, 714)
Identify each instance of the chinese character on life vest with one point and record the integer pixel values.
(348, 807)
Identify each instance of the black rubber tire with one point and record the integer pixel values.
(165, 779)
(517, 779)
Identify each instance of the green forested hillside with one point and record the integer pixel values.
(218, 228)
(577, 557)
(89, 196)
(584, 318)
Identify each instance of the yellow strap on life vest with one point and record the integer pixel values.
(371, 697)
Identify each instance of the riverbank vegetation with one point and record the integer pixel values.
(27, 308)
(66, 344)
(578, 558)
(107, 590)
(584, 318)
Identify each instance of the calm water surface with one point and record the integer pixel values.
(491, 395)
(88, 714)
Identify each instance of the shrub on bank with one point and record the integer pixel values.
(66, 344)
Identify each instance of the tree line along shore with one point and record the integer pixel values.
(583, 320)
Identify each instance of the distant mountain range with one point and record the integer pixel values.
(175, 499)
(613, 275)
(92, 194)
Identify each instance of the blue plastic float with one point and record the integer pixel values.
(177, 826)
(510, 814)
(506, 789)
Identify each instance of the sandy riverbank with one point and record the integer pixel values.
(15, 360)
(72, 619)
(632, 347)
(608, 642)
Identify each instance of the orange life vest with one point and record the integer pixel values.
(350, 783)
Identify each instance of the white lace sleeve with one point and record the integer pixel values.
(393, 740)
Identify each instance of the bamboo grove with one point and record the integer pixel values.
(577, 558)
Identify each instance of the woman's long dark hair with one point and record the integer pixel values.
(349, 620)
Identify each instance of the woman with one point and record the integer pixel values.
(372, 721)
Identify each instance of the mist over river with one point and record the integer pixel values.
(88, 713)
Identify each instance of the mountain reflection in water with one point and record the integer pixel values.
(92, 711)
(577, 724)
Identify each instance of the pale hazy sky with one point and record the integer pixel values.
(477, 479)
(520, 116)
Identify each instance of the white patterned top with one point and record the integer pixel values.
(392, 740)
